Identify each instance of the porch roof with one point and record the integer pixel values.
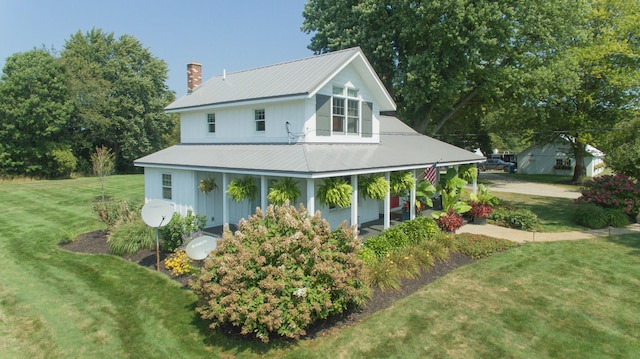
(400, 148)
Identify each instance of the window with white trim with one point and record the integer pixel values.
(345, 111)
(260, 119)
(166, 186)
(211, 122)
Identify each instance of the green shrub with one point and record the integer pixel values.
(180, 228)
(514, 218)
(617, 218)
(594, 216)
(283, 270)
(419, 229)
(129, 237)
(64, 163)
(480, 246)
(591, 216)
(389, 240)
(403, 235)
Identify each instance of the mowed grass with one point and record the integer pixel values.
(564, 299)
(555, 214)
(574, 299)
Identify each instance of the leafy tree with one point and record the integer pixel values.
(34, 115)
(440, 57)
(599, 86)
(119, 93)
(623, 148)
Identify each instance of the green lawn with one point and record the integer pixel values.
(555, 214)
(564, 299)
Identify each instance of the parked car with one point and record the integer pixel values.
(494, 164)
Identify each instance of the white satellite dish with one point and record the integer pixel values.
(157, 213)
(200, 247)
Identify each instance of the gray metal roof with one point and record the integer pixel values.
(401, 148)
(296, 78)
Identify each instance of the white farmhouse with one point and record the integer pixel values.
(309, 120)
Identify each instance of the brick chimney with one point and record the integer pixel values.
(194, 76)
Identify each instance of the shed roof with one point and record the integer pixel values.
(299, 78)
(400, 148)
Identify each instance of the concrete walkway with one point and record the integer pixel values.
(510, 184)
(519, 236)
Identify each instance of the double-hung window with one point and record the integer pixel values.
(211, 122)
(345, 111)
(260, 120)
(166, 186)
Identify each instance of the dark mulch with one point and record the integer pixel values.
(96, 243)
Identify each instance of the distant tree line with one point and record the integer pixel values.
(98, 92)
(512, 71)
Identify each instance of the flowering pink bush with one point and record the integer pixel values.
(619, 191)
(280, 272)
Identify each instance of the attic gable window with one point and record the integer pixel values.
(211, 122)
(345, 112)
(260, 119)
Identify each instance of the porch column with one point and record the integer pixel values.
(225, 199)
(311, 196)
(475, 185)
(354, 201)
(412, 198)
(263, 193)
(387, 203)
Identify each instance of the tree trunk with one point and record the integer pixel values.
(579, 170)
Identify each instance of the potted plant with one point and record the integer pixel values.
(284, 190)
(450, 218)
(481, 204)
(242, 188)
(207, 185)
(335, 192)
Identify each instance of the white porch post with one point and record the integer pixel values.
(263, 193)
(475, 185)
(311, 196)
(354, 201)
(387, 203)
(412, 198)
(225, 199)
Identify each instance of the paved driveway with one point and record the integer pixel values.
(500, 183)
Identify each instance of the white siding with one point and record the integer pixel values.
(346, 78)
(182, 187)
(237, 124)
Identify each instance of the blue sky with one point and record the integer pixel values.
(233, 34)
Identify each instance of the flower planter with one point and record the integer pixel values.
(480, 220)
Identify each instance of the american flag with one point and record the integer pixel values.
(431, 174)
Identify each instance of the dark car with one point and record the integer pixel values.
(494, 164)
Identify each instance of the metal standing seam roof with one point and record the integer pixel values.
(400, 148)
(294, 78)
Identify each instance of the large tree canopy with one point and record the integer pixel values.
(119, 93)
(101, 91)
(34, 114)
(440, 57)
(597, 94)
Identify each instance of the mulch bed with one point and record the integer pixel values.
(96, 243)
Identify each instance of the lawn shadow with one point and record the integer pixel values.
(230, 341)
(630, 240)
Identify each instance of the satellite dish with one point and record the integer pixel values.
(200, 247)
(157, 213)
